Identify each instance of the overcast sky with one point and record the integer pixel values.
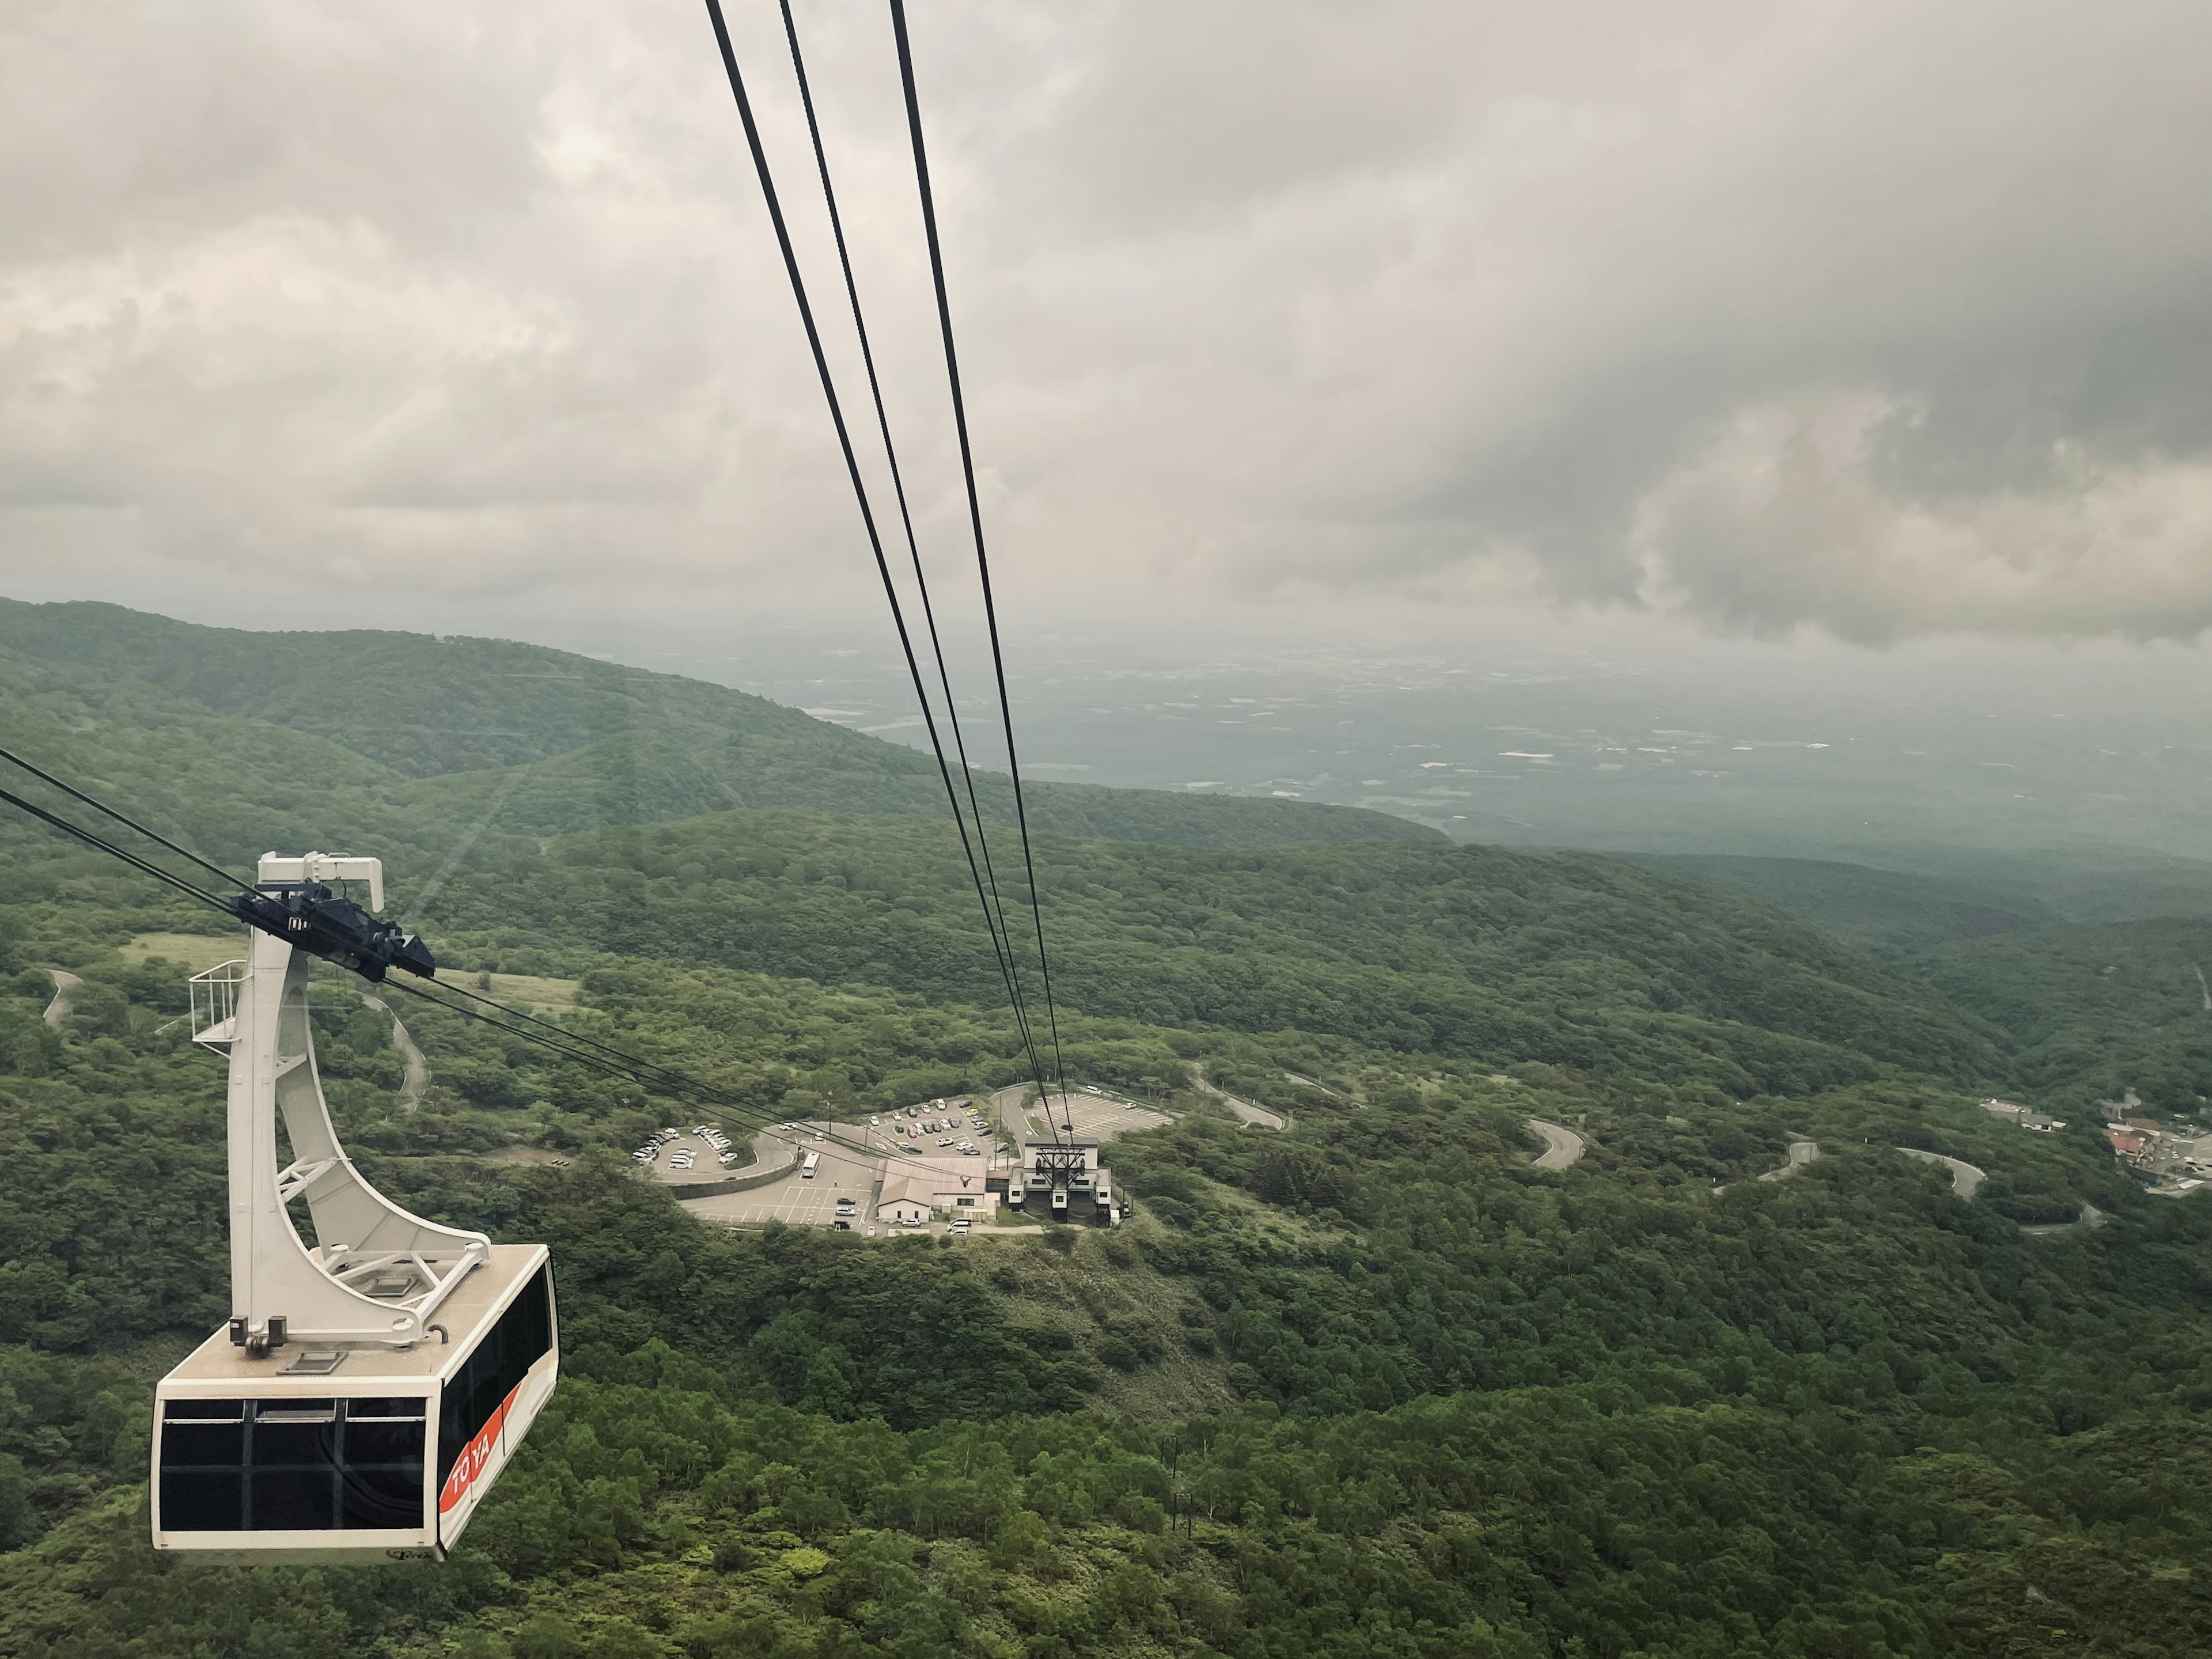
(1876, 320)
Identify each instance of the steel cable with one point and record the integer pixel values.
(573, 1046)
(14, 759)
(860, 487)
(906, 516)
(976, 522)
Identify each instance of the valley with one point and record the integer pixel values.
(1425, 1331)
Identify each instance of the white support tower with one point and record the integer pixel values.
(376, 1275)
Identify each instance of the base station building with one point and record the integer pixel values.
(1065, 1181)
(913, 1192)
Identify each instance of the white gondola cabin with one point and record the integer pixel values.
(370, 1387)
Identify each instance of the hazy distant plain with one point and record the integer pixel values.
(1730, 751)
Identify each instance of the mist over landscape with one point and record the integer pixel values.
(1583, 1032)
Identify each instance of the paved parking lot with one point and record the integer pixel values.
(857, 1158)
(1096, 1118)
(706, 1163)
(793, 1200)
(845, 1171)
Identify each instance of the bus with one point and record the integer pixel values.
(806, 1170)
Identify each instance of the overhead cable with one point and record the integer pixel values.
(105, 846)
(573, 1045)
(613, 1062)
(906, 518)
(860, 487)
(14, 759)
(976, 522)
(604, 1057)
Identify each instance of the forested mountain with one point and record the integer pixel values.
(1896, 910)
(1476, 953)
(1370, 1386)
(2095, 1012)
(1901, 898)
(466, 732)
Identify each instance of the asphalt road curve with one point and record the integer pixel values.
(2090, 1219)
(58, 1009)
(1562, 1145)
(1965, 1179)
(414, 1070)
(1247, 1113)
(1801, 1152)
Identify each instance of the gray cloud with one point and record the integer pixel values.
(1878, 318)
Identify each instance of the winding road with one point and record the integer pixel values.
(1801, 1152)
(1562, 1145)
(414, 1076)
(1244, 1109)
(2091, 1218)
(58, 1009)
(1965, 1179)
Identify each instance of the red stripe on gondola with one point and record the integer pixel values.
(475, 1455)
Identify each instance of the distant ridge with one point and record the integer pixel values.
(1910, 898)
(1869, 906)
(567, 743)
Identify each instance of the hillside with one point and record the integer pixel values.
(1906, 898)
(460, 731)
(1476, 953)
(1891, 910)
(2095, 1012)
(1513, 1410)
(1373, 1386)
